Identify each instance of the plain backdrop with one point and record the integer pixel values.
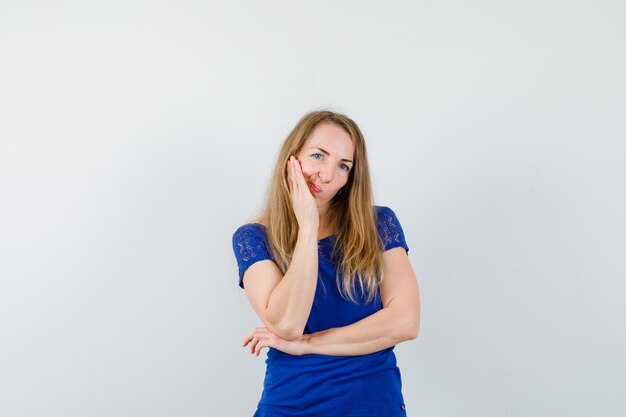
(136, 136)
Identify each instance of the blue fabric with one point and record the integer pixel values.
(321, 385)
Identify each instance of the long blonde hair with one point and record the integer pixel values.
(351, 214)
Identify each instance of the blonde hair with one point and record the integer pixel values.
(351, 214)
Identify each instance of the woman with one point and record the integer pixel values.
(329, 276)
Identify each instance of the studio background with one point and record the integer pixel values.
(136, 136)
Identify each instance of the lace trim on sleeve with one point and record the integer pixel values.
(390, 230)
(250, 246)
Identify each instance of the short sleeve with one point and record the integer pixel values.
(389, 229)
(250, 246)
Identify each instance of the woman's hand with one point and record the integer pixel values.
(260, 338)
(303, 202)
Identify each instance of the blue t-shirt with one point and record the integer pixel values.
(316, 385)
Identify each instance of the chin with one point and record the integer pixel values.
(322, 203)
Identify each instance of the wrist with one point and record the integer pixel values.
(307, 346)
(307, 232)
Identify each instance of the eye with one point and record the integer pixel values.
(344, 167)
(318, 156)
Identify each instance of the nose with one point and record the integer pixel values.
(326, 173)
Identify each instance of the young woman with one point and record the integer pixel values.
(328, 275)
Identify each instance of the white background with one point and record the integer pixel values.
(136, 136)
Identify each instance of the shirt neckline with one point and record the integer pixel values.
(318, 241)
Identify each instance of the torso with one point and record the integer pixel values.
(322, 233)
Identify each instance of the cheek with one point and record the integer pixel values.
(307, 169)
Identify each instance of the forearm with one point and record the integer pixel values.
(289, 305)
(385, 328)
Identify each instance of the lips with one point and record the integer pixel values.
(314, 188)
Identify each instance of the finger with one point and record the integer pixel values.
(251, 335)
(248, 338)
(294, 174)
(300, 174)
(255, 343)
(246, 341)
(260, 346)
(290, 175)
(255, 340)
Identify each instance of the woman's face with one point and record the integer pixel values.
(326, 159)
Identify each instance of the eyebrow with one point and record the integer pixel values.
(328, 153)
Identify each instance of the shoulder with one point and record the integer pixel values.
(250, 237)
(382, 211)
(385, 216)
(389, 228)
(249, 229)
(250, 245)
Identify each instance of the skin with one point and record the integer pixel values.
(396, 322)
(283, 302)
(325, 161)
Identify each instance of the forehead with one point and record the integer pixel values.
(333, 139)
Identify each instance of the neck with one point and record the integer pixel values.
(323, 218)
(324, 229)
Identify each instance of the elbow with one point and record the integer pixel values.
(290, 335)
(287, 331)
(284, 327)
(412, 333)
(412, 328)
(406, 326)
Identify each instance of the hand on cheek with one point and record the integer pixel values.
(304, 169)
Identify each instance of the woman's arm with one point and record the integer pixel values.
(283, 303)
(396, 322)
